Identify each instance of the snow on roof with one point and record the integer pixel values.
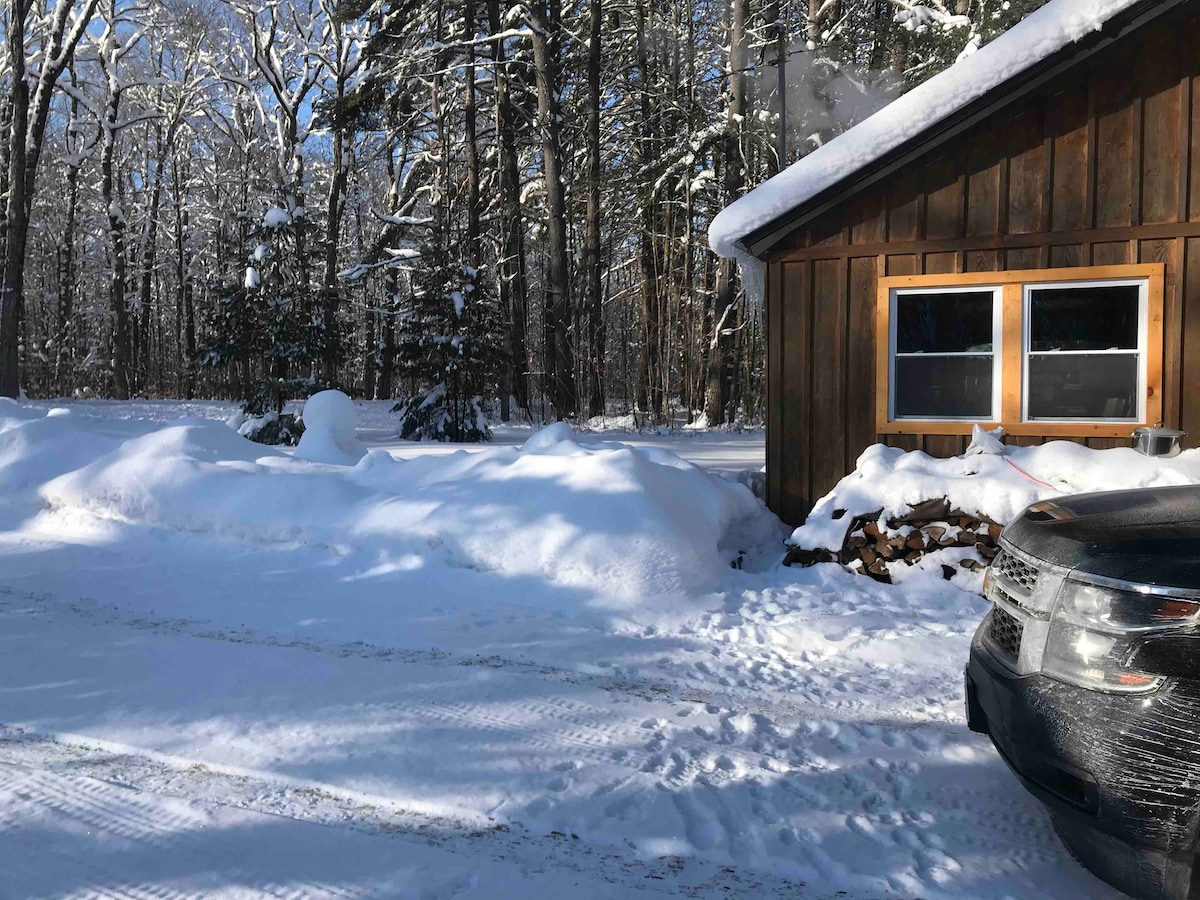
(1044, 32)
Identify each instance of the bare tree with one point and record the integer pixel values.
(40, 42)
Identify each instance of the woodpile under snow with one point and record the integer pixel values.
(873, 545)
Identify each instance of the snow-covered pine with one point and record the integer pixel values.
(448, 343)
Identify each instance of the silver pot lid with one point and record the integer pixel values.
(1157, 431)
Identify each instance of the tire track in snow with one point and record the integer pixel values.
(75, 836)
(117, 796)
(670, 689)
(706, 771)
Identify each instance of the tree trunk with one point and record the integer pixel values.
(721, 342)
(27, 128)
(330, 294)
(513, 284)
(470, 146)
(650, 397)
(16, 218)
(595, 300)
(116, 246)
(560, 363)
(150, 249)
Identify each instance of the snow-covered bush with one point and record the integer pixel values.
(434, 416)
(272, 428)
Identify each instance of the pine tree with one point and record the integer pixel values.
(449, 341)
(269, 322)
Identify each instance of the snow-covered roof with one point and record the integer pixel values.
(1039, 35)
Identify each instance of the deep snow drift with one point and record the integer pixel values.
(633, 528)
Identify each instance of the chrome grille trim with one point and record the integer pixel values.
(1016, 571)
(1005, 632)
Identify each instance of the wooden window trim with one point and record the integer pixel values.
(1011, 283)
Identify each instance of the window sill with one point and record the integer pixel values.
(1019, 429)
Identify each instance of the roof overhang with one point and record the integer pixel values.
(759, 242)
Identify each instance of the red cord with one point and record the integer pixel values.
(1027, 475)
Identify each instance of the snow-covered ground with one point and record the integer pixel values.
(227, 672)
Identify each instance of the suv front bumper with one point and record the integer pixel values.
(1120, 774)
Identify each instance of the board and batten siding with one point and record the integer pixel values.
(1101, 169)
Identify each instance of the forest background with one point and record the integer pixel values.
(483, 209)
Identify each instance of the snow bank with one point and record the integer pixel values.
(624, 529)
(329, 430)
(1042, 33)
(996, 485)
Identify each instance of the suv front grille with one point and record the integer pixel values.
(1004, 631)
(1016, 571)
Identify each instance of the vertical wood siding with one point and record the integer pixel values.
(1105, 169)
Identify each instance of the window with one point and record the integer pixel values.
(1052, 352)
(945, 355)
(1084, 351)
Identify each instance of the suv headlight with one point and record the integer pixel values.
(1094, 628)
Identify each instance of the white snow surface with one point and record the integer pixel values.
(640, 522)
(329, 430)
(1043, 32)
(994, 484)
(504, 672)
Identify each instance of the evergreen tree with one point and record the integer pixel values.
(450, 341)
(269, 322)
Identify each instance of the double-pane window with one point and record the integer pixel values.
(1050, 352)
(1084, 351)
(945, 354)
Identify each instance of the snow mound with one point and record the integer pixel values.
(1031, 40)
(558, 437)
(329, 431)
(994, 484)
(585, 525)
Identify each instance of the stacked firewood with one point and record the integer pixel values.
(873, 545)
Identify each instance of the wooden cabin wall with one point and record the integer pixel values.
(1104, 170)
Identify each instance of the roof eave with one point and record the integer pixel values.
(762, 240)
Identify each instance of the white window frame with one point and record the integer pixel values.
(996, 351)
(1027, 289)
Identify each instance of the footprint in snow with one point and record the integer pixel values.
(926, 742)
(845, 743)
(865, 828)
(906, 883)
(655, 764)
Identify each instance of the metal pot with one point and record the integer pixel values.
(1157, 441)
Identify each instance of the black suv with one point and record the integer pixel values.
(1086, 676)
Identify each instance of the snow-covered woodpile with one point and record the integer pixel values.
(873, 544)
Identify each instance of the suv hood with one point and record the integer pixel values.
(1150, 535)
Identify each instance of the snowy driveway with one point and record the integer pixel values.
(187, 716)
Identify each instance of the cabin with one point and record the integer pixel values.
(1015, 243)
